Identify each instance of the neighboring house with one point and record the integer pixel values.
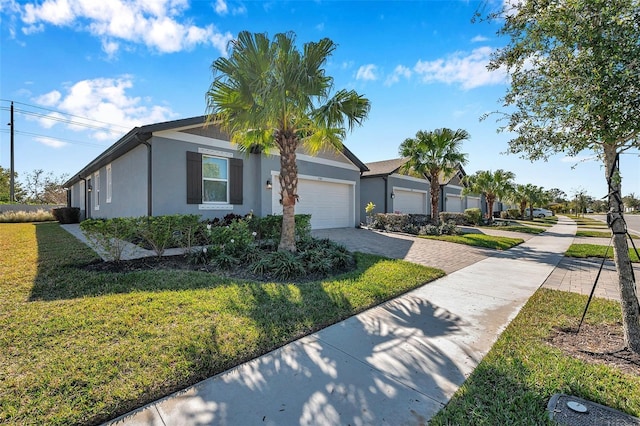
(393, 190)
(451, 198)
(187, 167)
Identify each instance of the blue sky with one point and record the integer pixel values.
(84, 72)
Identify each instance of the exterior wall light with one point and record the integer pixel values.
(269, 186)
(393, 195)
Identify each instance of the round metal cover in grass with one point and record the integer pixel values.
(565, 410)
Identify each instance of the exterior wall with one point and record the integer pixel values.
(372, 189)
(169, 187)
(448, 190)
(128, 186)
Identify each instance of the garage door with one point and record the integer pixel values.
(453, 204)
(330, 204)
(473, 202)
(409, 202)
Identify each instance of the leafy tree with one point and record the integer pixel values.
(5, 186)
(575, 86)
(557, 196)
(270, 95)
(631, 201)
(433, 153)
(493, 185)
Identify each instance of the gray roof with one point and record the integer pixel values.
(384, 168)
(140, 135)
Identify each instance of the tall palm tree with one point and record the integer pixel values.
(519, 196)
(494, 185)
(434, 153)
(269, 95)
(537, 197)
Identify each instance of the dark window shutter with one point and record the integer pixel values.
(235, 181)
(194, 178)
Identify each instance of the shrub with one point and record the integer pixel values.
(111, 234)
(234, 239)
(510, 214)
(396, 222)
(159, 232)
(280, 264)
(66, 215)
(457, 218)
(473, 216)
(270, 227)
(448, 228)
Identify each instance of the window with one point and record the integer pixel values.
(96, 190)
(108, 200)
(214, 180)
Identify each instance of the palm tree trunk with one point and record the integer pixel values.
(490, 200)
(626, 284)
(288, 193)
(435, 197)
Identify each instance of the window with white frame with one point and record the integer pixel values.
(96, 190)
(215, 180)
(109, 187)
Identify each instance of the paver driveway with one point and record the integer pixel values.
(438, 254)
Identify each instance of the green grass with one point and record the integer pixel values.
(598, 234)
(535, 222)
(513, 383)
(478, 240)
(80, 347)
(523, 229)
(594, 250)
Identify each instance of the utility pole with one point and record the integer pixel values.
(12, 195)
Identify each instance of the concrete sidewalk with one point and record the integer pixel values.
(397, 363)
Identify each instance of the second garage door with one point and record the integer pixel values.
(409, 202)
(330, 204)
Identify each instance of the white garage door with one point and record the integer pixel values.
(409, 202)
(453, 204)
(473, 202)
(330, 204)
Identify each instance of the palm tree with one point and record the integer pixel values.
(519, 196)
(433, 153)
(494, 185)
(537, 196)
(270, 95)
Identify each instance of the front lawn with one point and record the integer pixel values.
(478, 240)
(514, 382)
(599, 234)
(594, 250)
(82, 347)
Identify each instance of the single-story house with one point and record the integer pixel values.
(395, 190)
(451, 198)
(188, 167)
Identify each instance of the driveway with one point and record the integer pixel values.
(449, 257)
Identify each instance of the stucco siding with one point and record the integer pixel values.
(372, 189)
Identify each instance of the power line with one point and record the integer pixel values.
(63, 113)
(61, 120)
(54, 138)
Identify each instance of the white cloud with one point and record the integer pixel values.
(158, 24)
(479, 39)
(221, 7)
(105, 100)
(53, 143)
(49, 99)
(468, 70)
(367, 72)
(399, 71)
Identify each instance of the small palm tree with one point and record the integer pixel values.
(519, 196)
(433, 153)
(270, 95)
(494, 185)
(536, 196)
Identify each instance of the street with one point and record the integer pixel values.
(633, 221)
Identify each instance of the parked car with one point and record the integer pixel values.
(537, 212)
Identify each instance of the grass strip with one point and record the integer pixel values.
(599, 234)
(535, 223)
(478, 240)
(81, 347)
(514, 382)
(523, 229)
(594, 250)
